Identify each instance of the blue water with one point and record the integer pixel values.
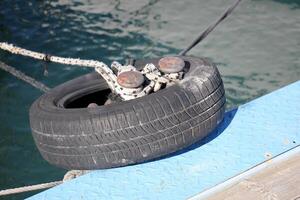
(257, 50)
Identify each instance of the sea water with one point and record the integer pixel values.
(257, 50)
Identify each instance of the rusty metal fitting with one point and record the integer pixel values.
(130, 79)
(171, 64)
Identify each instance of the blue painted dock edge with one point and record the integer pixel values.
(249, 135)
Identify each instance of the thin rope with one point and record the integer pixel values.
(20, 75)
(29, 188)
(68, 176)
(205, 33)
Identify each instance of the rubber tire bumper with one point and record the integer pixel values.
(127, 132)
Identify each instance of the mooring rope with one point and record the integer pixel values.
(105, 70)
(68, 176)
(155, 77)
(20, 75)
(29, 188)
(209, 29)
(151, 72)
(50, 58)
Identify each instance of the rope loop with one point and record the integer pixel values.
(154, 79)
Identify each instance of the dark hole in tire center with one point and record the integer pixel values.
(98, 97)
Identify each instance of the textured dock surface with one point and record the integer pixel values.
(248, 136)
(278, 179)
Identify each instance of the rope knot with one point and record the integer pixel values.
(155, 80)
(47, 58)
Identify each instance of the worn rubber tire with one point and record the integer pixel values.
(127, 132)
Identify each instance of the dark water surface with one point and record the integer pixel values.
(257, 50)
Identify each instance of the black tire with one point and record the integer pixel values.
(131, 131)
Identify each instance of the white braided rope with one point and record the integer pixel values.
(46, 57)
(150, 71)
(156, 78)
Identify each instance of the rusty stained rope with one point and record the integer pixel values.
(20, 75)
